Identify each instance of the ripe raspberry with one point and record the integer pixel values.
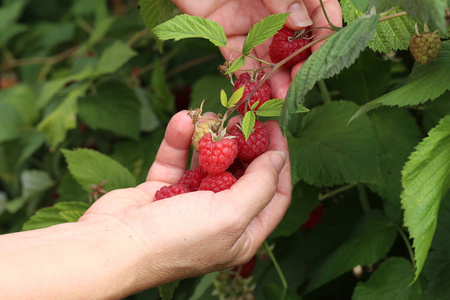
(246, 269)
(193, 178)
(262, 94)
(314, 218)
(217, 182)
(286, 42)
(216, 154)
(256, 144)
(425, 47)
(237, 168)
(200, 130)
(170, 191)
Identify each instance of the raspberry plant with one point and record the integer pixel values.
(90, 83)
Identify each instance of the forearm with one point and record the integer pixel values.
(80, 260)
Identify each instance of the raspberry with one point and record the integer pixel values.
(216, 154)
(217, 182)
(314, 218)
(170, 191)
(200, 130)
(262, 94)
(256, 144)
(246, 269)
(237, 168)
(286, 42)
(425, 47)
(193, 178)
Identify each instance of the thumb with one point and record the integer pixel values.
(299, 17)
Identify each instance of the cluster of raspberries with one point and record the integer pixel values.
(222, 159)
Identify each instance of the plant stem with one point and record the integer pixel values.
(277, 266)
(336, 191)
(407, 244)
(324, 91)
(403, 13)
(326, 16)
(363, 197)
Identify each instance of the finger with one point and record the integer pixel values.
(299, 17)
(171, 159)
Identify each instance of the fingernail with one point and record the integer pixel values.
(278, 160)
(299, 15)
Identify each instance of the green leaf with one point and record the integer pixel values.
(23, 99)
(90, 167)
(337, 53)
(63, 118)
(59, 213)
(235, 97)
(337, 153)
(273, 291)
(263, 30)
(301, 109)
(248, 123)
(426, 180)
(270, 108)
(163, 100)
(9, 13)
(236, 65)
(186, 26)
(435, 110)
(392, 34)
(166, 290)
(431, 11)
(437, 273)
(149, 119)
(114, 107)
(9, 122)
(205, 282)
(153, 12)
(391, 281)
(426, 82)
(114, 57)
(397, 134)
(207, 88)
(223, 98)
(371, 239)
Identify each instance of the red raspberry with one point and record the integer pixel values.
(314, 218)
(256, 144)
(170, 191)
(193, 178)
(217, 182)
(237, 168)
(246, 269)
(286, 42)
(262, 94)
(216, 155)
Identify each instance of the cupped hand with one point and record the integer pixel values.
(198, 232)
(238, 16)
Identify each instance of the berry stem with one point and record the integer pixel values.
(407, 244)
(276, 265)
(363, 197)
(324, 91)
(335, 28)
(402, 13)
(336, 191)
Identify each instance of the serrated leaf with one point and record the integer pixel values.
(431, 11)
(114, 107)
(236, 65)
(153, 12)
(301, 109)
(114, 57)
(248, 123)
(390, 281)
(337, 153)
(59, 213)
(166, 290)
(63, 118)
(90, 167)
(368, 243)
(223, 98)
(270, 108)
(263, 30)
(426, 82)
(426, 180)
(237, 95)
(186, 26)
(337, 53)
(392, 34)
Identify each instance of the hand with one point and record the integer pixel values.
(199, 232)
(238, 16)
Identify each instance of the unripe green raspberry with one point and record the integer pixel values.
(201, 129)
(425, 47)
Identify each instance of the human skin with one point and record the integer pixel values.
(238, 16)
(126, 243)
